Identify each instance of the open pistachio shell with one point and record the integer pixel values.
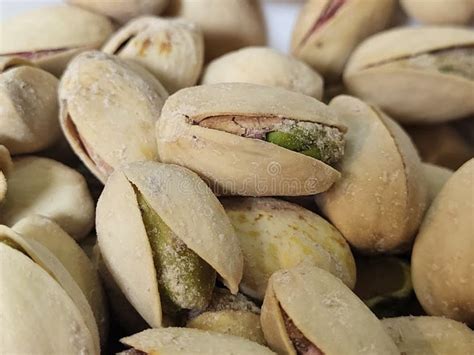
(265, 66)
(190, 133)
(104, 96)
(48, 188)
(442, 268)
(171, 49)
(327, 315)
(327, 31)
(51, 36)
(436, 177)
(418, 75)
(379, 202)
(429, 335)
(453, 12)
(5, 168)
(185, 341)
(188, 209)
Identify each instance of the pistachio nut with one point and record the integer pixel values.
(379, 202)
(104, 96)
(226, 25)
(5, 168)
(171, 49)
(252, 140)
(327, 31)
(442, 268)
(309, 311)
(416, 74)
(436, 176)
(265, 66)
(453, 12)
(276, 234)
(163, 223)
(51, 36)
(429, 335)
(122, 10)
(48, 188)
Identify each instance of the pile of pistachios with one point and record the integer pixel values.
(170, 185)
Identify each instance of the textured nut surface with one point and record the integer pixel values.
(453, 12)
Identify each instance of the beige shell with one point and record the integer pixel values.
(51, 36)
(234, 165)
(190, 210)
(436, 176)
(122, 10)
(276, 234)
(412, 94)
(108, 111)
(48, 188)
(172, 50)
(452, 12)
(227, 25)
(429, 335)
(5, 168)
(185, 341)
(264, 66)
(325, 311)
(379, 202)
(442, 267)
(325, 39)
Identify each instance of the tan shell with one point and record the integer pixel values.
(436, 176)
(276, 235)
(227, 25)
(185, 341)
(442, 267)
(104, 96)
(234, 165)
(7, 63)
(172, 50)
(5, 168)
(328, 46)
(51, 189)
(264, 66)
(190, 210)
(325, 311)
(429, 335)
(57, 32)
(411, 94)
(452, 12)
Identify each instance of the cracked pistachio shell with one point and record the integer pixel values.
(265, 66)
(443, 254)
(108, 108)
(452, 12)
(48, 188)
(5, 168)
(429, 335)
(186, 205)
(436, 176)
(325, 39)
(185, 341)
(51, 36)
(276, 234)
(416, 93)
(234, 165)
(53, 304)
(324, 310)
(171, 49)
(379, 202)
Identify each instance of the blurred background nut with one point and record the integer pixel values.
(172, 50)
(265, 66)
(436, 177)
(435, 12)
(5, 168)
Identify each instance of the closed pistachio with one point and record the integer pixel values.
(453, 12)
(108, 108)
(51, 36)
(252, 140)
(171, 49)
(327, 31)
(5, 168)
(418, 75)
(436, 176)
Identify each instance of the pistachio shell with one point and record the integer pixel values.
(412, 93)
(324, 310)
(103, 96)
(442, 269)
(51, 36)
(172, 50)
(453, 12)
(265, 66)
(429, 335)
(379, 202)
(436, 177)
(7, 63)
(48, 188)
(5, 168)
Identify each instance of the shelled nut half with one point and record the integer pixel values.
(418, 75)
(454, 12)
(252, 140)
(5, 168)
(108, 108)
